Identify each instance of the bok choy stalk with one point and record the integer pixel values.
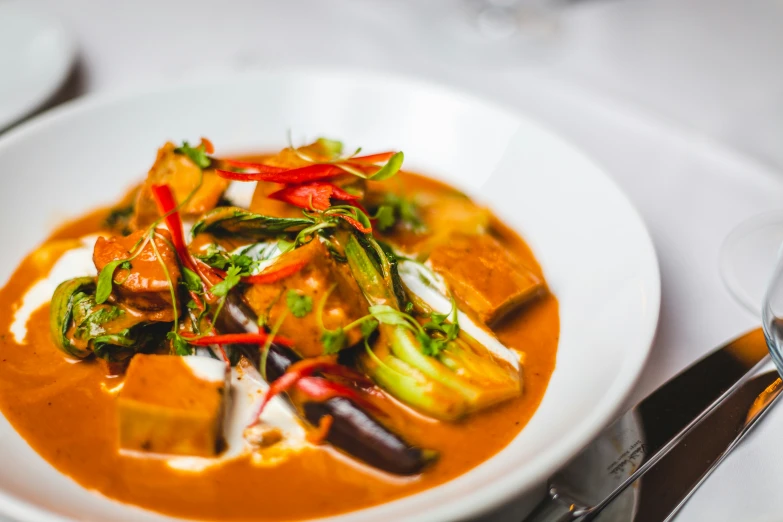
(444, 377)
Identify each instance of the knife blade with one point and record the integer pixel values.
(668, 485)
(636, 440)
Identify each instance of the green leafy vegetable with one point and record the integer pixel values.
(196, 154)
(61, 314)
(398, 209)
(179, 344)
(92, 317)
(106, 279)
(385, 218)
(299, 305)
(222, 260)
(333, 341)
(230, 281)
(80, 326)
(235, 221)
(191, 280)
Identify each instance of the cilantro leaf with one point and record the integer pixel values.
(385, 217)
(196, 154)
(333, 341)
(215, 258)
(398, 209)
(300, 305)
(246, 263)
(222, 260)
(191, 280)
(368, 327)
(231, 280)
(438, 332)
(179, 344)
(430, 346)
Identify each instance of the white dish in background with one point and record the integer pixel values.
(594, 248)
(36, 55)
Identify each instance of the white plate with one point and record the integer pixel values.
(594, 248)
(36, 55)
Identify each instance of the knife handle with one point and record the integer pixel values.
(556, 507)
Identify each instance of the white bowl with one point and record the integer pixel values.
(592, 244)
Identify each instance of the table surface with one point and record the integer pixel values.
(680, 100)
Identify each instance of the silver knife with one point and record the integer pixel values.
(639, 438)
(668, 485)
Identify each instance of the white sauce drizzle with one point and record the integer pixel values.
(76, 262)
(246, 390)
(433, 292)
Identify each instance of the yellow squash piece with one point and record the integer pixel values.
(173, 405)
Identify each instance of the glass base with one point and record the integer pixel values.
(748, 258)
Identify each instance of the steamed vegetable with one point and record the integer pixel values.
(81, 327)
(61, 314)
(430, 368)
(237, 221)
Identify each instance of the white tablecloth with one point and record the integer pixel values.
(680, 100)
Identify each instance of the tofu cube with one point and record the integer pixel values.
(484, 276)
(173, 405)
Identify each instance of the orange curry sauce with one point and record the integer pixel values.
(65, 412)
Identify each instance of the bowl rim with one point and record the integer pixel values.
(503, 488)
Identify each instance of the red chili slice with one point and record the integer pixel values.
(300, 175)
(317, 388)
(320, 390)
(316, 195)
(358, 226)
(327, 364)
(270, 276)
(240, 338)
(164, 200)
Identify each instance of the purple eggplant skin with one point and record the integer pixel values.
(353, 430)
